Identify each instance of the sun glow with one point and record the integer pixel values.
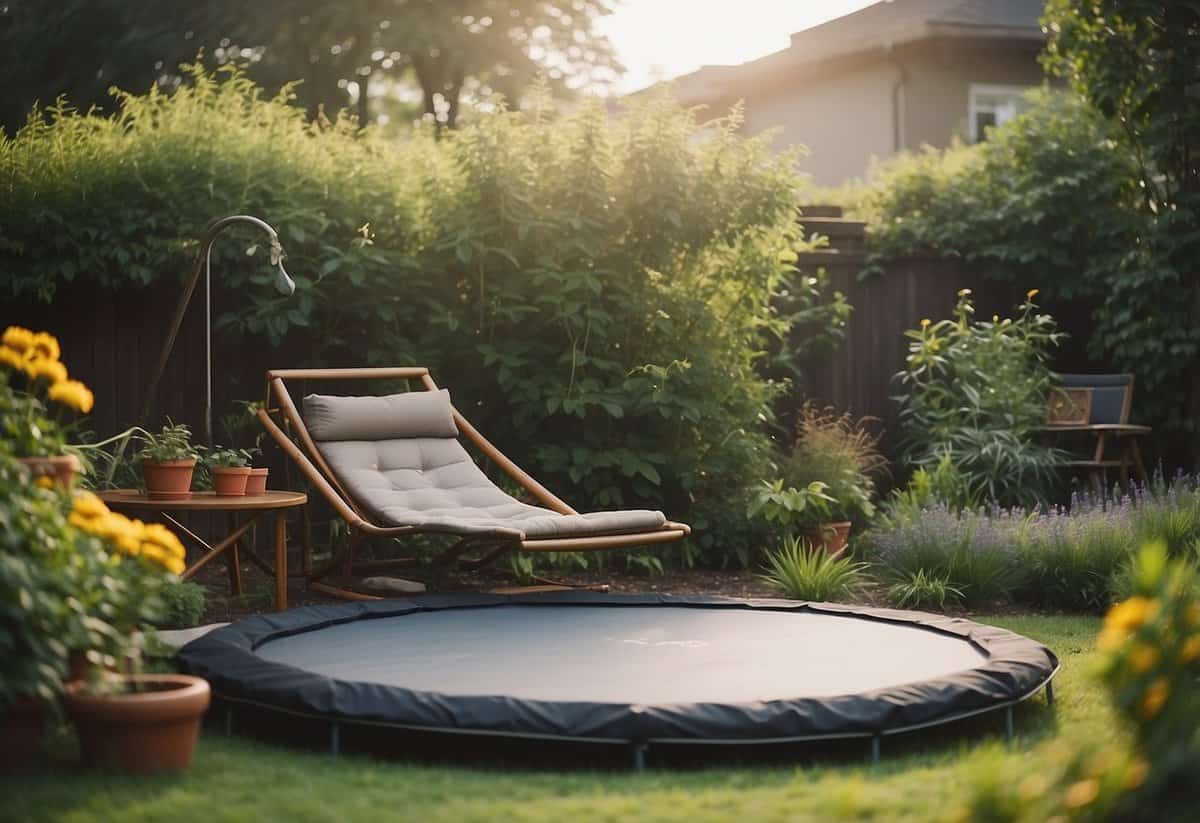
(662, 39)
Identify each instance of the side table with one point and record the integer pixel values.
(255, 505)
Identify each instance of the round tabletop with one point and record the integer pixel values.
(204, 501)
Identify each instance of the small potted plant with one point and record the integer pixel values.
(245, 419)
(230, 471)
(126, 719)
(34, 388)
(805, 512)
(168, 462)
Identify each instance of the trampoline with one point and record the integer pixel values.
(634, 670)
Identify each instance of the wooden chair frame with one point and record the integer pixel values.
(488, 547)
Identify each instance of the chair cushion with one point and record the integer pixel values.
(412, 414)
(433, 484)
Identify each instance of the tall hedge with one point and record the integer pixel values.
(596, 287)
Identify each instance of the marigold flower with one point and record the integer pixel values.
(11, 358)
(1032, 293)
(89, 505)
(1131, 614)
(1135, 775)
(162, 538)
(46, 345)
(51, 371)
(1082, 793)
(1143, 658)
(74, 394)
(17, 338)
(1154, 698)
(1191, 649)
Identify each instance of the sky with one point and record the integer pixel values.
(662, 39)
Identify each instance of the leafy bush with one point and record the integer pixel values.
(596, 290)
(183, 605)
(172, 442)
(811, 573)
(975, 392)
(920, 590)
(945, 485)
(838, 451)
(792, 508)
(1070, 559)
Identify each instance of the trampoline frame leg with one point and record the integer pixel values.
(875, 745)
(1008, 723)
(335, 738)
(229, 720)
(1049, 692)
(638, 752)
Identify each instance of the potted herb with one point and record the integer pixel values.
(230, 471)
(245, 419)
(168, 462)
(34, 389)
(805, 512)
(125, 719)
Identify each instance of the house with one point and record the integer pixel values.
(895, 75)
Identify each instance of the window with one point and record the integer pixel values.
(992, 106)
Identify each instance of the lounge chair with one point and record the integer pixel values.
(392, 466)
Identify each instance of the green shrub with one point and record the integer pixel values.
(595, 289)
(811, 573)
(921, 590)
(183, 605)
(975, 391)
(944, 486)
(1070, 560)
(793, 509)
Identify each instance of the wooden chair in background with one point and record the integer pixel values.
(1096, 408)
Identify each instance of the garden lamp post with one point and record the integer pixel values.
(283, 284)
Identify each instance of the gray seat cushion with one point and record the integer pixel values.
(430, 482)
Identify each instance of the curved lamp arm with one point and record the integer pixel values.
(283, 284)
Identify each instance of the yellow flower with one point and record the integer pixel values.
(1130, 614)
(74, 394)
(46, 345)
(88, 505)
(1191, 649)
(163, 539)
(995, 318)
(1032, 293)
(1154, 698)
(11, 358)
(963, 292)
(17, 338)
(1082, 793)
(1135, 775)
(45, 481)
(1143, 658)
(51, 371)
(925, 323)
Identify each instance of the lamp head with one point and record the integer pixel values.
(284, 284)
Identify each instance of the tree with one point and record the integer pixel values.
(342, 52)
(1138, 63)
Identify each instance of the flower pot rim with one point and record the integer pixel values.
(259, 469)
(230, 469)
(179, 686)
(188, 461)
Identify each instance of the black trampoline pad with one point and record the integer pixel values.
(659, 655)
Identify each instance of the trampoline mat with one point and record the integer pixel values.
(638, 655)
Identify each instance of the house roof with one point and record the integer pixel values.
(879, 26)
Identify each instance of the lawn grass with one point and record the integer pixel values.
(920, 780)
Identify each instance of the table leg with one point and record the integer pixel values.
(234, 559)
(281, 572)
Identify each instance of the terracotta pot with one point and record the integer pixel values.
(61, 468)
(169, 480)
(831, 537)
(21, 730)
(143, 731)
(229, 481)
(257, 483)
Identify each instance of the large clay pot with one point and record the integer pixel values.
(229, 481)
(61, 468)
(831, 537)
(257, 483)
(149, 730)
(21, 731)
(170, 480)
